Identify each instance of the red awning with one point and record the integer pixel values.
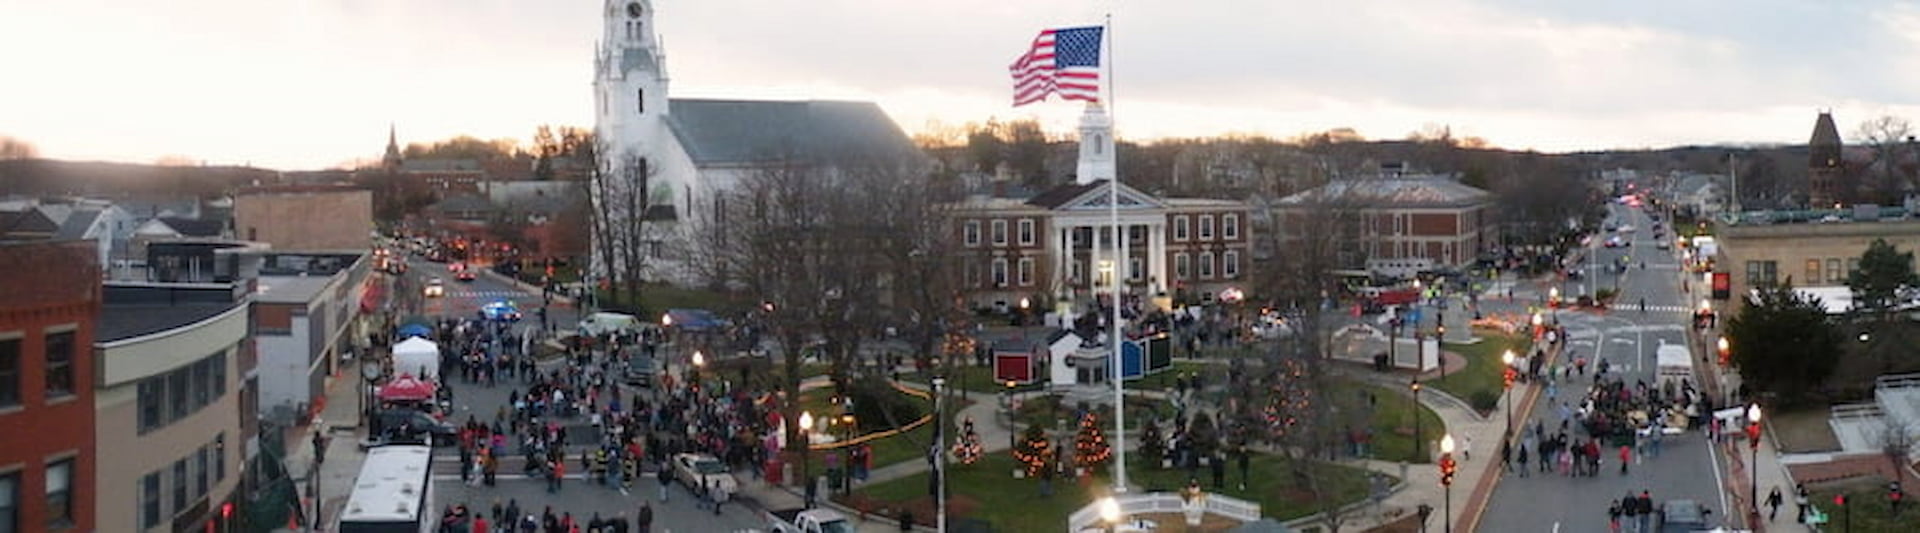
(407, 388)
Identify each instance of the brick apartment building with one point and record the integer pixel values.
(1397, 217)
(48, 303)
(305, 217)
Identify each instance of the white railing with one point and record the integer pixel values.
(1898, 381)
(1163, 503)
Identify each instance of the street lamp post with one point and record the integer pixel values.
(1419, 443)
(806, 453)
(1753, 465)
(1446, 481)
(699, 363)
(1506, 375)
(940, 456)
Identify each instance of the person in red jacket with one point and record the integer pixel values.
(1626, 456)
(480, 524)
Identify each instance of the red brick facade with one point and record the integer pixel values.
(51, 292)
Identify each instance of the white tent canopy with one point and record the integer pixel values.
(417, 356)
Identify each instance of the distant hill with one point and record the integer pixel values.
(93, 178)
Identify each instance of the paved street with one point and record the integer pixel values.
(1627, 338)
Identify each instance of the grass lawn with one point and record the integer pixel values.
(1391, 417)
(1166, 379)
(1871, 511)
(988, 492)
(1480, 383)
(1046, 411)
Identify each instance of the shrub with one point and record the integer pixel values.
(877, 406)
(1484, 400)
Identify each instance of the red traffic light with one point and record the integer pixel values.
(226, 510)
(1840, 500)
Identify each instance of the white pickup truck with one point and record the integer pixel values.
(808, 521)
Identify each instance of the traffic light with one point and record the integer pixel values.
(1506, 377)
(1840, 500)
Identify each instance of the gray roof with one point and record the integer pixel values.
(464, 203)
(132, 320)
(440, 165)
(76, 225)
(195, 227)
(755, 131)
(291, 289)
(1418, 191)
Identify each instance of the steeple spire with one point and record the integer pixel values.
(392, 158)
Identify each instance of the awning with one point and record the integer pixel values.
(406, 388)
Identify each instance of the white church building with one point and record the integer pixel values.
(689, 149)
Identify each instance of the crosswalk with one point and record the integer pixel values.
(489, 294)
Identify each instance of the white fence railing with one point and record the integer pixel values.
(1163, 503)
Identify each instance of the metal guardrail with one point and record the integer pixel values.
(1898, 381)
(1857, 410)
(1163, 503)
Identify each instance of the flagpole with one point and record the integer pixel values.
(1119, 247)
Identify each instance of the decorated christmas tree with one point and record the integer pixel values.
(1090, 447)
(968, 449)
(1153, 446)
(1033, 451)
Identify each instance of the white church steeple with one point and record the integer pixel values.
(1096, 145)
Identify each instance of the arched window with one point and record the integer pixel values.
(1098, 143)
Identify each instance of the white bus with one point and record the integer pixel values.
(394, 493)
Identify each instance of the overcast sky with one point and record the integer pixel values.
(311, 83)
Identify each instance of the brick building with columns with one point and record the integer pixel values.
(1056, 246)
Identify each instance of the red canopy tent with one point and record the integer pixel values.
(406, 388)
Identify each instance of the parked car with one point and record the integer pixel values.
(1683, 516)
(640, 370)
(697, 470)
(410, 425)
(808, 521)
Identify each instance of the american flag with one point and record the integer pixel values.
(1062, 60)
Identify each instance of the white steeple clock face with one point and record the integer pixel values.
(634, 10)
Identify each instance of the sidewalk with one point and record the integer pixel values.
(340, 419)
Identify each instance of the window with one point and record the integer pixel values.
(179, 485)
(1762, 273)
(1813, 271)
(1182, 266)
(971, 233)
(201, 375)
(1833, 271)
(1026, 232)
(60, 493)
(999, 272)
(60, 364)
(1134, 269)
(1230, 227)
(1180, 228)
(1853, 265)
(9, 374)
(1206, 265)
(1230, 263)
(1074, 266)
(10, 502)
(1026, 271)
(639, 99)
(1206, 227)
(200, 472)
(972, 274)
(177, 404)
(999, 232)
(150, 499)
(220, 374)
(152, 395)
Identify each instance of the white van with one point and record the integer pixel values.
(603, 323)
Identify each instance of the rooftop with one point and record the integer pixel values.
(291, 289)
(759, 131)
(126, 321)
(1409, 191)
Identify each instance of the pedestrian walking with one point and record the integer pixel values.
(1523, 461)
(1626, 456)
(1466, 448)
(1773, 504)
(644, 519)
(1800, 501)
(666, 480)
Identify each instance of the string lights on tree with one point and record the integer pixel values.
(1033, 451)
(968, 450)
(1090, 447)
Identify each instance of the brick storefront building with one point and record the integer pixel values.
(49, 299)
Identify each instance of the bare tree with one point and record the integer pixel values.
(621, 214)
(1889, 175)
(11, 148)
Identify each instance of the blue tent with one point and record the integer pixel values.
(695, 319)
(414, 330)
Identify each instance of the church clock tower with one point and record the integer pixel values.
(630, 85)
